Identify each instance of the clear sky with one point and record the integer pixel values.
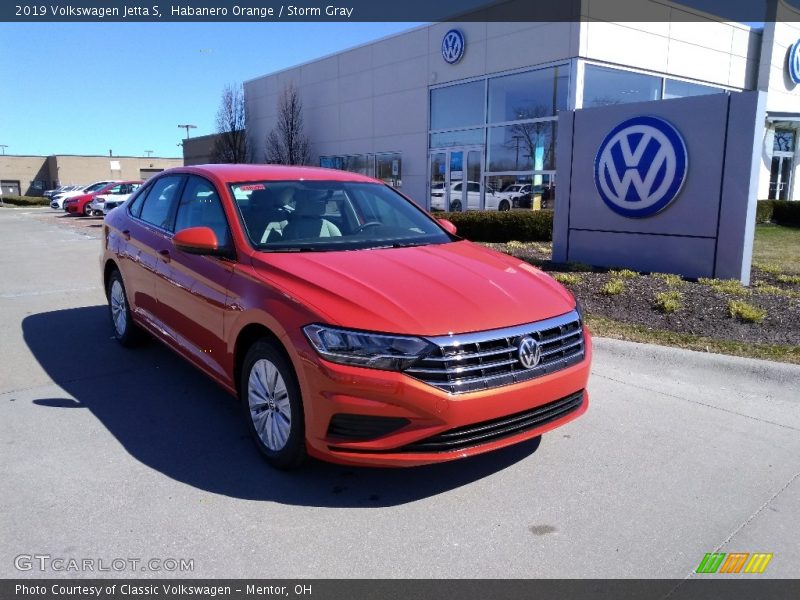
(87, 88)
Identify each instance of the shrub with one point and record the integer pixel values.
(746, 312)
(786, 212)
(670, 279)
(624, 274)
(789, 279)
(764, 210)
(568, 278)
(502, 226)
(724, 286)
(668, 302)
(614, 287)
(26, 200)
(774, 290)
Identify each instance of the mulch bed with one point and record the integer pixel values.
(704, 311)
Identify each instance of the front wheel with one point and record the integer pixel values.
(272, 406)
(126, 331)
(504, 205)
(87, 210)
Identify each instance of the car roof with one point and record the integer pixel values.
(239, 173)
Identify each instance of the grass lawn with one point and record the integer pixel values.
(779, 246)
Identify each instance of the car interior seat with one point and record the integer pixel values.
(307, 220)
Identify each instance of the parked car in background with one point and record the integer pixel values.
(457, 196)
(115, 195)
(79, 191)
(298, 290)
(57, 199)
(62, 188)
(81, 204)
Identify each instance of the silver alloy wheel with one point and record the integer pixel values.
(268, 400)
(118, 309)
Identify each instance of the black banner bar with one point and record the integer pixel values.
(272, 11)
(709, 588)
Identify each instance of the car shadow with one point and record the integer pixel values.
(172, 418)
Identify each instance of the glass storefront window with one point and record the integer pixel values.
(684, 89)
(530, 95)
(603, 86)
(331, 162)
(388, 167)
(465, 137)
(783, 140)
(458, 105)
(522, 147)
(520, 192)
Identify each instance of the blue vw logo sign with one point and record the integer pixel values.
(794, 62)
(453, 46)
(641, 166)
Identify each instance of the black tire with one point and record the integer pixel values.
(455, 206)
(87, 210)
(125, 330)
(291, 454)
(504, 205)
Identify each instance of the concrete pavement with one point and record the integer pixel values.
(112, 453)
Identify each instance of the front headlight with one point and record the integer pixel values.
(373, 350)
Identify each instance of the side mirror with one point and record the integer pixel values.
(448, 226)
(198, 240)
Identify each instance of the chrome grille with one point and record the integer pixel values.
(489, 359)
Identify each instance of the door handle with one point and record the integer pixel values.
(126, 234)
(164, 255)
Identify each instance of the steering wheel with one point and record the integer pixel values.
(366, 225)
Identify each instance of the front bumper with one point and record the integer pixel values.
(427, 425)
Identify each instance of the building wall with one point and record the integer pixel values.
(783, 95)
(25, 170)
(66, 169)
(198, 150)
(666, 42)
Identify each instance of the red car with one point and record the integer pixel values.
(80, 205)
(351, 324)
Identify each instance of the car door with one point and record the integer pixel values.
(192, 289)
(148, 237)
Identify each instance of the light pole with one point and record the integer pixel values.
(149, 153)
(187, 127)
(3, 147)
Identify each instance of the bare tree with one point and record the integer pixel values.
(286, 143)
(230, 145)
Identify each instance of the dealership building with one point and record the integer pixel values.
(452, 114)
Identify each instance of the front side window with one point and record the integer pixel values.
(292, 216)
(200, 206)
(159, 205)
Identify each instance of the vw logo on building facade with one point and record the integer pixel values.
(453, 46)
(530, 353)
(794, 62)
(641, 166)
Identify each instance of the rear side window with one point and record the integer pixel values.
(200, 206)
(159, 205)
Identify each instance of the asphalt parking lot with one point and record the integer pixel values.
(111, 453)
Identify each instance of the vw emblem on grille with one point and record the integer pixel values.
(530, 353)
(641, 166)
(453, 46)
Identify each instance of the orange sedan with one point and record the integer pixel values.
(351, 324)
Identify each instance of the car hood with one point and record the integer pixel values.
(428, 290)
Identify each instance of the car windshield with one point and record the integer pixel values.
(323, 216)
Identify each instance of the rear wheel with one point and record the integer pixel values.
(87, 210)
(455, 206)
(272, 405)
(126, 331)
(504, 205)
